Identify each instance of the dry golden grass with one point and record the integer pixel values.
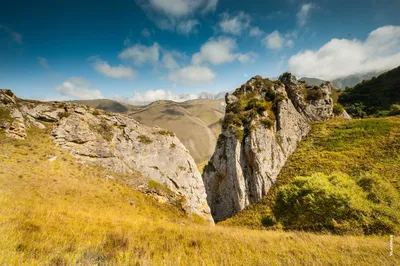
(65, 213)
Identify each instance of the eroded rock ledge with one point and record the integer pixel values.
(263, 124)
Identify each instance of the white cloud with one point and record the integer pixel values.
(344, 57)
(219, 51)
(234, 24)
(245, 58)
(276, 41)
(176, 15)
(15, 36)
(192, 75)
(303, 13)
(273, 40)
(169, 61)
(187, 26)
(78, 88)
(112, 71)
(156, 95)
(43, 62)
(256, 32)
(141, 54)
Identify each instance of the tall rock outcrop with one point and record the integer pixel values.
(263, 124)
(114, 141)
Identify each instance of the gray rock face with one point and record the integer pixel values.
(241, 171)
(122, 144)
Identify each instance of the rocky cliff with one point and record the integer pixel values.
(263, 124)
(114, 141)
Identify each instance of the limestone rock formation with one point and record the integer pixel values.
(114, 141)
(263, 124)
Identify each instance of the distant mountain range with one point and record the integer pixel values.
(342, 83)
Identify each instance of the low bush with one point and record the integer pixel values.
(166, 133)
(338, 109)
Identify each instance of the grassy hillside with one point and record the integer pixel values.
(368, 151)
(109, 105)
(60, 212)
(375, 96)
(196, 123)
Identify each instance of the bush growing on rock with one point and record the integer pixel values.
(338, 109)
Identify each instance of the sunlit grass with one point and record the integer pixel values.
(64, 213)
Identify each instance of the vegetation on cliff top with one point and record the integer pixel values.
(365, 155)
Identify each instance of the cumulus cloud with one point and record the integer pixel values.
(116, 72)
(156, 95)
(141, 54)
(78, 88)
(219, 51)
(276, 41)
(192, 75)
(304, 13)
(43, 62)
(256, 32)
(176, 15)
(344, 57)
(15, 36)
(234, 24)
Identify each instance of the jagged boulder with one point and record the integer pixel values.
(123, 145)
(261, 128)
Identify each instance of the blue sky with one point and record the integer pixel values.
(144, 50)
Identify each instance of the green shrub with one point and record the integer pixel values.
(232, 119)
(260, 106)
(267, 221)
(394, 109)
(5, 115)
(172, 146)
(144, 139)
(338, 109)
(267, 123)
(9, 93)
(322, 202)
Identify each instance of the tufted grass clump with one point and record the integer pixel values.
(144, 139)
(5, 115)
(338, 109)
(104, 129)
(165, 132)
(64, 114)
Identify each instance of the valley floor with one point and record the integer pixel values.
(56, 211)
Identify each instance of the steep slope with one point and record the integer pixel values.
(366, 150)
(114, 141)
(264, 121)
(196, 123)
(62, 212)
(352, 80)
(374, 96)
(313, 81)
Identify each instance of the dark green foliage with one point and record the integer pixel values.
(338, 109)
(9, 93)
(268, 221)
(374, 95)
(258, 105)
(144, 139)
(232, 119)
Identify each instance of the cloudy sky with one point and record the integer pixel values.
(153, 49)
